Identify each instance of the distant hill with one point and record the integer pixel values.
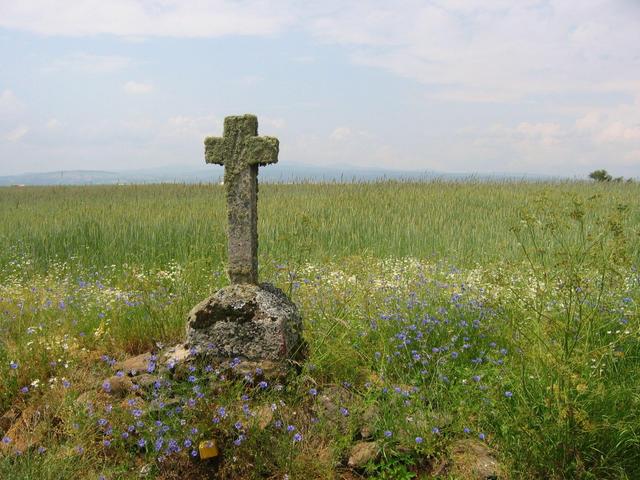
(283, 173)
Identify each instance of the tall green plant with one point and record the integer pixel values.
(576, 345)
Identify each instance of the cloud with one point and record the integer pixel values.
(9, 103)
(276, 123)
(137, 88)
(53, 124)
(340, 133)
(251, 80)
(17, 133)
(617, 132)
(88, 63)
(142, 18)
(193, 127)
(461, 50)
(493, 50)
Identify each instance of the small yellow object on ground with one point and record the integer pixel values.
(208, 449)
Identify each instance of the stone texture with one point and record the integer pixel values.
(473, 459)
(368, 421)
(119, 386)
(240, 150)
(248, 322)
(134, 365)
(145, 380)
(27, 431)
(8, 418)
(362, 453)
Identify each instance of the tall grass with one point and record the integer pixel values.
(152, 224)
(514, 322)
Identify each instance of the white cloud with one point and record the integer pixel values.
(340, 133)
(276, 123)
(88, 63)
(251, 80)
(617, 132)
(137, 88)
(53, 124)
(493, 50)
(9, 103)
(141, 18)
(17, 133)
(193, 127)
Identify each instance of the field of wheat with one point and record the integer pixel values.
(500, 318)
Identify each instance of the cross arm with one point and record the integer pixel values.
(261, 150)
(214, 150)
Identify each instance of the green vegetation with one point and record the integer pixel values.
(498, 316)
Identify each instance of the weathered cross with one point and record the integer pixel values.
(240, 150)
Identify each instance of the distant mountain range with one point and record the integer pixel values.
(213, 174)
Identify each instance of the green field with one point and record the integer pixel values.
(500, 316)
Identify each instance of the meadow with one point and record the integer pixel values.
(445, 321)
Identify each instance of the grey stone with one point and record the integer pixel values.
(134, 365)
(145, 380)
(118, 386)
(473, 459)
(362, 453)
(368, 421)
(8, 418)
(240, 150)
(248, 322)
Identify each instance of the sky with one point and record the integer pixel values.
(475, 86)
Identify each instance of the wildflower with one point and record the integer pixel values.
(508, 394)
(158, 444)
(388, 433)
(13, 365)
(419, 440)
(435, 430)
(142, 442)
(262, 384)
(238, 425)
(41, 450)
(297, 437)
(106, 386)
(66, 383)
(313, 392)
(290, 428)
(482, 436)
(106, 443)
(24, 390)
(344, 412)
(466, 430)
(6, 440)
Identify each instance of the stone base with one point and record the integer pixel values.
(250, 323)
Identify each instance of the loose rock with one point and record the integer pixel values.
(248, 322)
(362, 453)
(134, 365)
(473, 459)
(118, 386)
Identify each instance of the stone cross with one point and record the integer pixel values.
(240, 150)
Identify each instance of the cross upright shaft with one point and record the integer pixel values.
(241, 151)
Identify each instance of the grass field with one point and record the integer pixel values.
(500, 318)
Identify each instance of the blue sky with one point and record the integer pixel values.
(456, 86)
